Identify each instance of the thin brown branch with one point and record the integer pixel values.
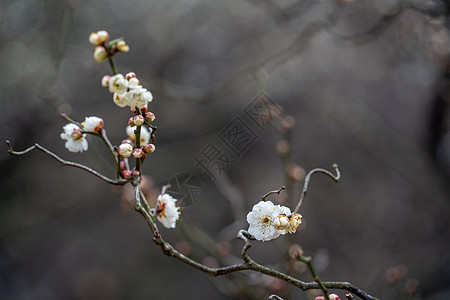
(308, 178)
(263, 198)
(248, 263)
(65, 162)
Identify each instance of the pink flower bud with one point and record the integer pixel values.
(127, 142)
(122, 47)
(131, 121)
(334, 297)
(105, 81)
(100, 54)
(149, 116)
(77, 134)
(138, 120)
(149, 148)
(130, 75)
(123, 166)
(136, 173)
(144, 109)
(138, 153)
(125, 174)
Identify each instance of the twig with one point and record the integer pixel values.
(263, 198)
(65, 162)
(308, 262)
(248, 263)
(308, 178)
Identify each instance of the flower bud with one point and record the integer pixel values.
(136, 173)
(149, 148)
(281, 222)
(149, 116)
(125, 174)
(130, 75)
(334, 297)
(138, 120)
(105, 81)
(77, 134)
(144, 108)
(122, 47)
(138, 153)
(134, 83)
(102, 36)
(127, 142)
(131, 121)
(93, 39)
(123, 165)
(125, 150)
(100, 54)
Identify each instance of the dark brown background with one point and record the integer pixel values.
(365, 82)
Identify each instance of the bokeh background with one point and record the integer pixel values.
(360, 83)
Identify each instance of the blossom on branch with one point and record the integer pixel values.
(168, 213)
(75, 138)
(92, 124)
(262, 220)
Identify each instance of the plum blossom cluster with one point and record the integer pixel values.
(268, 221)
(104, 50)
(127, 90)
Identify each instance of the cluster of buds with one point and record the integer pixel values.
(268, 221)
(103, 50)
(128, 91)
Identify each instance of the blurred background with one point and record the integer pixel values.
(360, 83)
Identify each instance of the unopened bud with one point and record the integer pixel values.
(105, 81)
(100, 54)
(125, 174)
(138, 153)
(125, 150)
(130, 75)
(102, 36)
(123, 165)
(77, 134)
(127, 142)
(131, 122)
(136, 173)
(149, 148)
(149, 116)
(334, 297)
(144, 109)
(93, 39)
(122, 47)
(138, 120)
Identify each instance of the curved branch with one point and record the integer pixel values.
(308, 178)
(65, 162)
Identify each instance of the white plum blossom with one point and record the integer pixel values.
(145, 134)
(168, 213)
(120, 99)
(92, 124)
(75, 138)
(138, 97)
(118, 84)
(262, 220)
